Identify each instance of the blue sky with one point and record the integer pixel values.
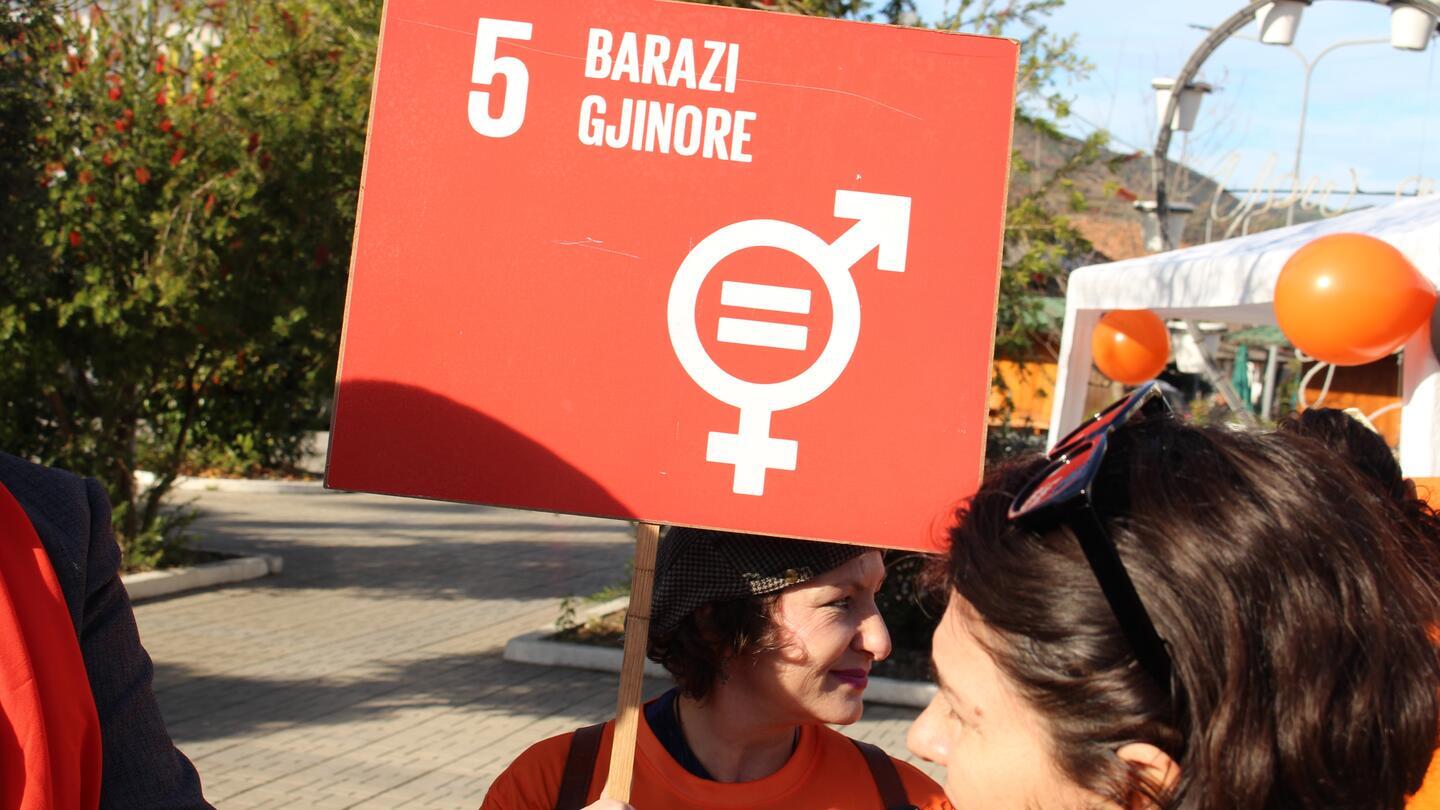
(1372, 108)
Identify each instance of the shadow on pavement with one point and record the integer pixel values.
(442, 688)
(417, 565)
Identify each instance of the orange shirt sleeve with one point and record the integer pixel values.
(532, 781)
(922, 791)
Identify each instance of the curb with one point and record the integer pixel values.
(150, 584)
(910, 694)
(256, 486)
(536, 648)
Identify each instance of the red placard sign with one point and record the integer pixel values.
(676, 263)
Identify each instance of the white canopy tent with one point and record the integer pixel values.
(1234, 281)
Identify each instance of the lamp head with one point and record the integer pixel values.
(1410, 26)
(1280, 20)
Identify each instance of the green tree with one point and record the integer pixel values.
(22, 109)
(816, 8)
(1041, 241)
(181, 212)
(898, 12)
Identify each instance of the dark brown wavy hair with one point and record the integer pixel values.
(696, 652)
(1368, 453)
(1296, 600)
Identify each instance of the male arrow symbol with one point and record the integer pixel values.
(884, 222)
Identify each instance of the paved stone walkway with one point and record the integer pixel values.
(369, 674)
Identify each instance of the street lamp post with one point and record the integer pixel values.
(1305, 106)
(1208, 46)
(1309, 65)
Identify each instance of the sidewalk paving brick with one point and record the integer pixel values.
(369, 674)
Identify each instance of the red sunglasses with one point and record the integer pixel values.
(1061, 494)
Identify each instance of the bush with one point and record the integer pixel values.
(177, 215)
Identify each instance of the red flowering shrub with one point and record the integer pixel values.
(148, 250)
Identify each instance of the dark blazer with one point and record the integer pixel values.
(143, 770)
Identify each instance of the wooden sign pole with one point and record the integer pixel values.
(632, 670)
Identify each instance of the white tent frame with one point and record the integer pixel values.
(1234, 281)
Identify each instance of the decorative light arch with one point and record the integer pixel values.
(1218, 35)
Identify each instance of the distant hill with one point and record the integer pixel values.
(1110, 220)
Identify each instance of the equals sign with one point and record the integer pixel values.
(767, 334)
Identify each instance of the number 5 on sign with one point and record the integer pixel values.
(488, 34)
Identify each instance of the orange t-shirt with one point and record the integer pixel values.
(826, 771)
(1428, 797)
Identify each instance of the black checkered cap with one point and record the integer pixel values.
(698, 566)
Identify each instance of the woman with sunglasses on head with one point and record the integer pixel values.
(769, 641)
(1170, 616)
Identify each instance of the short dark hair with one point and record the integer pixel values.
(1296, 602)
(696, 651)
(1368, 453)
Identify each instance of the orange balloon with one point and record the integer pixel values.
(1351, 299)
(1131, 345)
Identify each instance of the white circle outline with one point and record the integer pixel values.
(685, 294)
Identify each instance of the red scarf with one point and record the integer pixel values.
(49, 733)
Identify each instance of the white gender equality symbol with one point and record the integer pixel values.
(883, 222)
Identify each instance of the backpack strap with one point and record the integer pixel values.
(886, 776)
(579, 767)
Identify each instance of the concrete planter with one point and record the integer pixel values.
(538, 648)
(150, 584)
(185, 483)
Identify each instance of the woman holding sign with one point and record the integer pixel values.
(769, 642)
(1163, 615)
